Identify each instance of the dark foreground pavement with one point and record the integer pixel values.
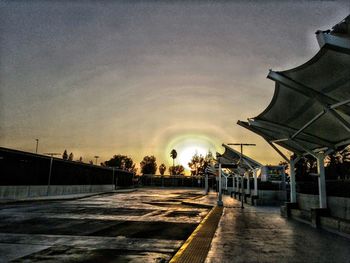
(151, 225)
(260, 234)
(144, 226)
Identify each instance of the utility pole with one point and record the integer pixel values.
(240, 162)
(37, 145)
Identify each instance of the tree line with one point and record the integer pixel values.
(148, 165)
(337, 166)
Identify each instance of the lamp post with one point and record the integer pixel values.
(240, 162)
(37, 145)
(96, 157)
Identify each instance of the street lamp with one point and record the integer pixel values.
(37, 144)
(96, 157)
(240, 162)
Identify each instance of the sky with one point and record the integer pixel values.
(145, 77)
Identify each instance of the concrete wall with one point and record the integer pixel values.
(338, 206)
(271, 197)
(230, 189)
(266, 197)
(25, 191)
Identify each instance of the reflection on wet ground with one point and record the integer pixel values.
(148, 225)
(260, 234)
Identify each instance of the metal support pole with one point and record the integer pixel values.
(255, 182)
(233, 183)
(321, 181)
(206, 183)
(242, 192)
(220, 203)
(239, 184)
(293, 193)
(49, 180)
(248, 184)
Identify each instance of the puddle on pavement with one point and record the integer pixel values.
(153, 230)
(57, 226)
(163, 204)
(183, 213)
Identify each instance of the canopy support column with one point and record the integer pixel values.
(220, 203)
(255, 183)
(242, 190)
(206, 183)
(233, 183)
(293, 192)
(321, 181)
(248, 184)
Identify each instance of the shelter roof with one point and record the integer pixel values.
(233, 156)
(310, 108)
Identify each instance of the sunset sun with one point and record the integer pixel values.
(186, 153)
(188, 145)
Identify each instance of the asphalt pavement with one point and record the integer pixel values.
(153, 225)
(148, 225)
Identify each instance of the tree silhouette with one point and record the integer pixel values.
(304, 167)
(173, 154)
(122, 162)
(338, 164)
(162, 169)
(148, 165)
(198, 163)
(177, 170)
(70, 157)
(65, 155)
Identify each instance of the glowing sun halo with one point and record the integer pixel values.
(185, 154)
(188, 145)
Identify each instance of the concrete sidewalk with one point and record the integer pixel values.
(260, 234)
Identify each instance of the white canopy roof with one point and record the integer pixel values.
(310, 109)
(233, 156)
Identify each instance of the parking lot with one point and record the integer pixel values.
(148, 225)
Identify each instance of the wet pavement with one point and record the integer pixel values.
(260, 234)
(148, 225)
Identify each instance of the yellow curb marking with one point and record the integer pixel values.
(198, 253)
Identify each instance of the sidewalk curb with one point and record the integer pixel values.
(196, 247)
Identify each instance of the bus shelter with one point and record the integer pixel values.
(310, 110)
(244, 167)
